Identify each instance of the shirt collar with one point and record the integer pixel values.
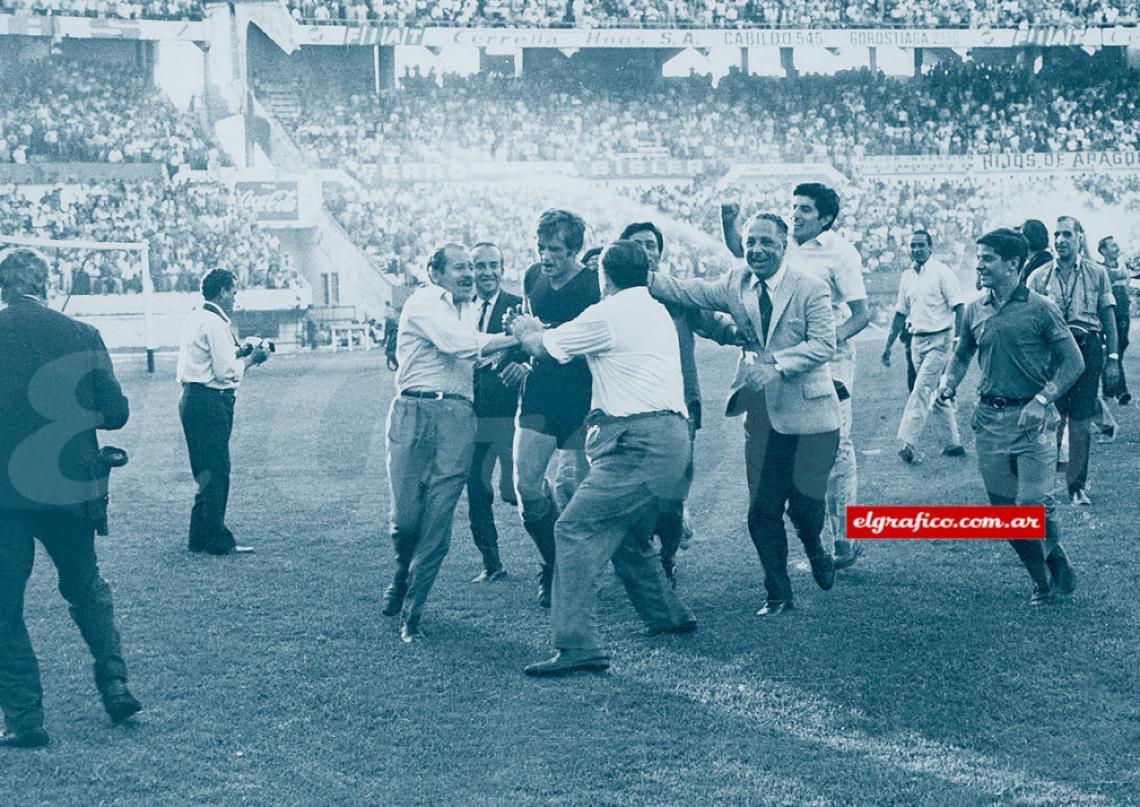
(819, 242)
(216, 310)
(1019, 294)
(494, 298)
(449, 298)
(773, 282)
(28, 298)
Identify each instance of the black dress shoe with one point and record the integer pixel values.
(410, 633)
(32, 738)
(394, 597)
(1125, 399)
(119, 702)
(1042, 595)
(490, 577)
(236, 549)
(844, 560)
(775, 608)
(823, 570)
(688, 626)
(1064, 579)
(568, 661)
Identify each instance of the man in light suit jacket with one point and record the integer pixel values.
(783, 388)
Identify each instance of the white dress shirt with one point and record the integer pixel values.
(484, 321)
(207, 353)
(438, 343)
(927, 298)
(831, 258)
(630, 343)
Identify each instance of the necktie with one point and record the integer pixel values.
(765, 310)
(483, 324)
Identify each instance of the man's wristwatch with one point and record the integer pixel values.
(1041, 399)
(1114, 357)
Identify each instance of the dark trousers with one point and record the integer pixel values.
(494, 439)
(70, 542)
(1077, 407)
(208, 421)
(785, 472)
(1123, 314)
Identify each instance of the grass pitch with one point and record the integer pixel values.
(924, 677)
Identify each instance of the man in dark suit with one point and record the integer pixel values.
(783, 388)
(57, 386)
(496, 400)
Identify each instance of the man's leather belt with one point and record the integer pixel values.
(930, 333)
(597, 416)
(435, 396)
(997, 402)
(203, 388)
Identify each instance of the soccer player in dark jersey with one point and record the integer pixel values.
(556, 397)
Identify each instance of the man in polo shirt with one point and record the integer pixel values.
(638, 448)
(1028, 360)
(929, 306)
(431, 426)
(1119, 277)
(1083, 292)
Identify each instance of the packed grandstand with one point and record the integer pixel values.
(673, 13)
(80, 108)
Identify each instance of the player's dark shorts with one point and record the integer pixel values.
(1079, 403)
(568, 431)
(555, 401)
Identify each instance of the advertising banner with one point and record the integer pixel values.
(570, 38)
(1063, 162)
(270, 201)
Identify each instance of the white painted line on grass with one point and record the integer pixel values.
(738, 693)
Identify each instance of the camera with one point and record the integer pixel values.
(248, 348)
(95, 507)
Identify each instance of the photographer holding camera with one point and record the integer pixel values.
(57, 386)
(211, 365)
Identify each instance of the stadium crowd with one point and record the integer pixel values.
(951, 110)
(721, 13)
(398, 225)
(190, 227)
(110, 9)
(72, 111)
(613, 13)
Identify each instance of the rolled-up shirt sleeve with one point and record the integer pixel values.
(585, 335)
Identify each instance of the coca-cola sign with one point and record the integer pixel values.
(270, 201)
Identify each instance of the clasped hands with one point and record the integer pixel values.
(758, 370)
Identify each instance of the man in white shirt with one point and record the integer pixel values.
(929, 304)
(638, 447)
(817, 250)
(431, 426)
(211, 366)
